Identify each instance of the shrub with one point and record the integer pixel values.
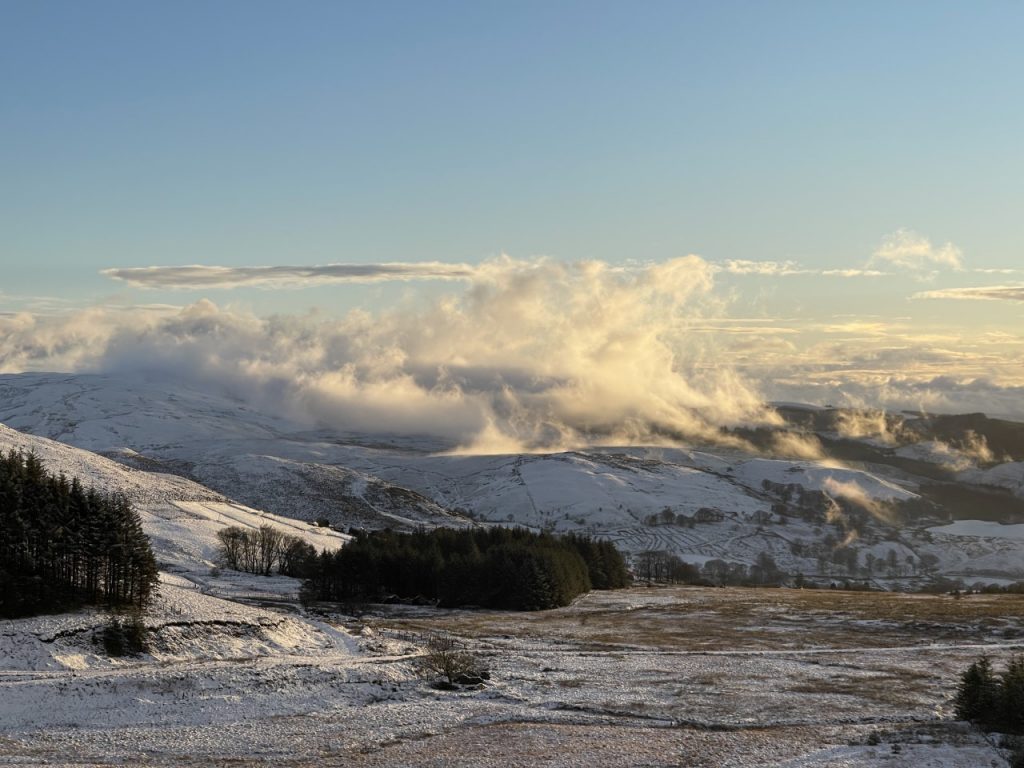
(126, 636)
(447, 657)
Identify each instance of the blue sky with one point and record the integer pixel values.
(248, 134)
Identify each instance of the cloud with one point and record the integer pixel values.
(788, 269)
(905, 249)
(907, 391)
(859, 327)
(770, 268)
(212, 277)
(742, 326)
(978, 293)
(537, 354)
(871, 423)
(969, 453)
(942, 367)
(902, 250)
(21, 302)
(798, 446)
(526, 354)
(852, 492)
(854, 273)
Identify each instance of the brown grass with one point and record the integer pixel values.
(707, 619)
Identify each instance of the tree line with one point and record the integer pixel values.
(665, 567)
(508, 568)
(63, 545)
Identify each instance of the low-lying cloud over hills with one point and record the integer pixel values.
(530, 353)
(514, 354)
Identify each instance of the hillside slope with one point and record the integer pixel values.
(873, 519)
(180, 516)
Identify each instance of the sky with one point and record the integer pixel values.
(835, 189)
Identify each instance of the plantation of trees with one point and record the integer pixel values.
(509, 568)
(62, 546)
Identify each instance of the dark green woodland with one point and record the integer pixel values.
(63, 546)
(509, 568)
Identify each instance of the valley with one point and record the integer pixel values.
(238, 671)
(881, 520)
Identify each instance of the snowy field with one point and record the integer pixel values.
(652, 677)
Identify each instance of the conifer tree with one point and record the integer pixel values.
(977, 697)
(1011, 696)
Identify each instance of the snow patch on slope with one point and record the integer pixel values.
(1009, 475)
(183, 623)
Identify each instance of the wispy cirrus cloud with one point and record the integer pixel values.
(860, 327)
(901, 251)
(225, 278)
(788, 269)
(906, 249)
(769, 268)
(976, 293)
(741, 327)
(854, 273)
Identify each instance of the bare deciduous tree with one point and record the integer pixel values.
(447, 657)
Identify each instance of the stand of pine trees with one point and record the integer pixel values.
(994, 702)
(509, 568)
(62, 546)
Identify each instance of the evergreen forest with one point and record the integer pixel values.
(63, 545)
(507, 568)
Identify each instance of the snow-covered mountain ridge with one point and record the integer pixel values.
(729, 504)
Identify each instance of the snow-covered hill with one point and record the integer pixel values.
(180, 516)
(263, 461)
(1009, 475)
(699, 504)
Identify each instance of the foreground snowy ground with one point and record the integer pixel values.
(651, 677)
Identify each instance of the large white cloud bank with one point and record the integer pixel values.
(524, 355)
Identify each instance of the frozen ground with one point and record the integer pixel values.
(653, 677)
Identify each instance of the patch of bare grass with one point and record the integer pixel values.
(698, 619)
